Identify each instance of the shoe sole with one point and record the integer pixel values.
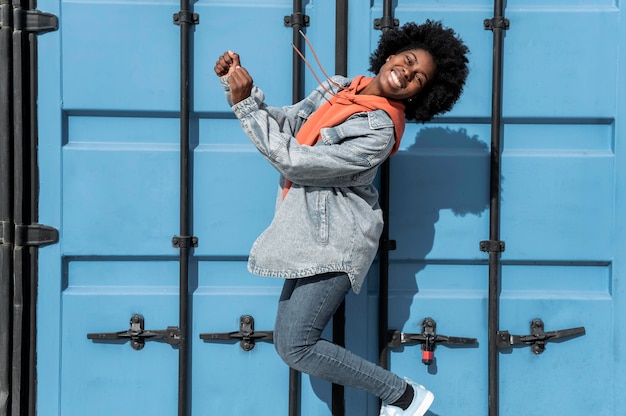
(425, 405)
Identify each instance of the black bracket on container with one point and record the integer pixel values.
(297, 19)
(138, 335)
(537, 338)
(33, 21)
(27, 235)
(186, 17)
(386, 22)
(387, 245)
(428, 338)
(492, 246)
(184, 241)
(246, 334)
(496, 23)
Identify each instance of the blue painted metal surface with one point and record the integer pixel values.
(109, 182)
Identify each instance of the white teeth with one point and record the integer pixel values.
(395, 80)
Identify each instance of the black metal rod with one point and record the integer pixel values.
(341, 68)
(494, 209)
(183, 357)
(297, 94)
(383, 253)
(6, 209)
(19, 381)
(33, 214)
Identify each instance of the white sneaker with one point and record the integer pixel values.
(422, 399)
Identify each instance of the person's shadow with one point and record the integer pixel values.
(443, 169)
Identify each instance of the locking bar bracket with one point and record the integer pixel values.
(246, 335)
(297, 19)
(138, 335)
(386, 22)
(538, 337)
(184, 241)
(428, 338)
(496, 23)
(186, 17)
(492, 246)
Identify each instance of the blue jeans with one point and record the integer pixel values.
(306, 305)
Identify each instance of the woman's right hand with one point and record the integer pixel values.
(226, 63)
(239, 80)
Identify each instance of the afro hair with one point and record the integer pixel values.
(449, 54)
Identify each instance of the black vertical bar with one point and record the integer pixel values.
(383, 287)
(6, 204)
(297, 95)
(19, 383)
(184, 22)
(33, 217)
(498, 28)
(341, 68)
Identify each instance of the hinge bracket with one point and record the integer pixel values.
(34, 21)
(37, 235)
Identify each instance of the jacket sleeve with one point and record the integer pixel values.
(345, 150)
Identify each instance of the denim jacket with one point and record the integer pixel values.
(330, 220)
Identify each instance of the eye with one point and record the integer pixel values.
(408, 59)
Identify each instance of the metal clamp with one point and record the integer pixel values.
(386, 22)
(186, 17)
(492, 246)
(184, 241)
(496, 23)
(138, 336)
(297, 19)
(246, 334)
(537, 338)
(428, 338)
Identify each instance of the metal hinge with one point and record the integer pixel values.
(537, 338)
(246, 335)
(37, 235)
(138, 335)
(428, 338)
(34, 21)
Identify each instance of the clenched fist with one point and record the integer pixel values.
(239, 79)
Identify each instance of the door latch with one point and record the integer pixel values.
(428, 338)
(138, 335)
(537, 338)
(246, 334)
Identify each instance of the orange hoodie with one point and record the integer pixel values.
(343, 105)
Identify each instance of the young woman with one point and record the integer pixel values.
(327, 223)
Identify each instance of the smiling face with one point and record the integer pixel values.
(403, 75)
